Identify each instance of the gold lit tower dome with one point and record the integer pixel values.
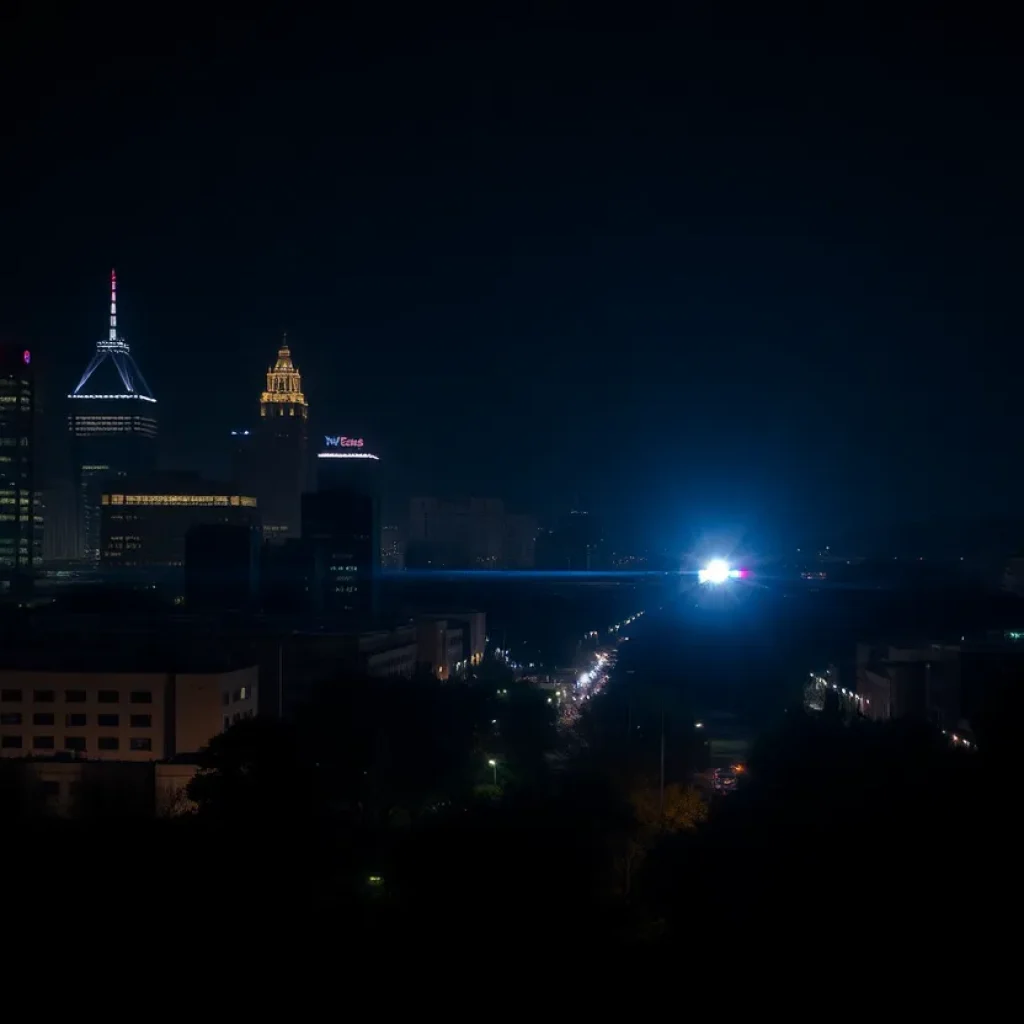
(284, 396)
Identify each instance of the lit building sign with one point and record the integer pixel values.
(26, 357)
(340, 441)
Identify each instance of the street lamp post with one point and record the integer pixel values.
(494, 767)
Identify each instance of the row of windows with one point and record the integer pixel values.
(77, 721)
(229, 720)
(76, 696)
(243, 693)
(75, 743)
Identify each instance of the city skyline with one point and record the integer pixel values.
(683, 300)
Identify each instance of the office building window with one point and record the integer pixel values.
(243, 693)
(108, 696)
(10, 696)
(108, 743)
(227, 722)
(74, 743)
(10, 742)
(42, 718)
(225, 698)
(75, 721)
(141, 697)
(140, 743)
(43, 696)
(74, 696)
(10, 718)
(108, 721)
(42, 743)
(141, 721)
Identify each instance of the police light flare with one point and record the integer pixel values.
(717, 571)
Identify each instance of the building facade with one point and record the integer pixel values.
(60, 536)
(120, 716)
(20, 516)
(145, 525)
(113, 427)
(341, 530)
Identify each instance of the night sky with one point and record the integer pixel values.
(685, 271)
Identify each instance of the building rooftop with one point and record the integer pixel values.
(112, 372)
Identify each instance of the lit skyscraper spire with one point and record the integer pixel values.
(113, 305)
(277, 462)
(284, 387)
(129, 382)
(112, 422)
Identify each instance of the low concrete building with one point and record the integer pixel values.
(120, 716)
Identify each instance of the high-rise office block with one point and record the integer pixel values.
(19, 535)
(112, 421)
(341, 530)
(144, 523)
(281, 450)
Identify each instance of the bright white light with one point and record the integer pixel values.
(348, 455)
(716, 571)
(139, 398)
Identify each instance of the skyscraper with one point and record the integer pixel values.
(112, 421)
(281, 449)
(341, 531)
(18, 535)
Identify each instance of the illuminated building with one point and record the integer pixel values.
(112, 421)
(20, 518)
(277, 472)
(341, 530)
(145, 525)
(347, 463)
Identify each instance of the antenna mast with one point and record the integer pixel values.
(113, 305)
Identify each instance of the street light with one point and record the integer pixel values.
(494, 766)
